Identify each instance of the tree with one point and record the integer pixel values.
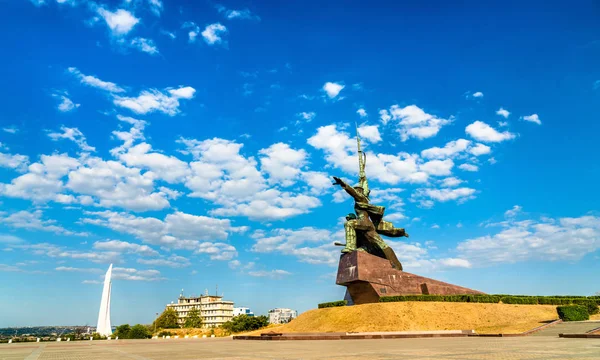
(193, 319)
(167, 320)
(139, 331)
(245, 323)
(123, 331)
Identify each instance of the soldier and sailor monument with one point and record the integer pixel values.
(369, 267)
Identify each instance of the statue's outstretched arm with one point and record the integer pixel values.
(349, 189)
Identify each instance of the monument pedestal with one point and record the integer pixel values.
(368, 277)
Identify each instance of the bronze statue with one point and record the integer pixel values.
(363, 229)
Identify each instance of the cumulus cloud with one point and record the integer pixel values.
(144, 45)
(152, 100)
(178, 231)
(362, 113)
(65, 104)
(95, 82)
(546, 239)
(370, 133)
(414, 122)
(477, 94)
(274, 274)
(119, 22)
(213, 32)
(125, 247)
(282, 163)
(13, 161)
(503, 112)
(340, 152)
(468, 167)
(427, 196)
(32, 220)
(333, 89)
(483, 132)
(73, 134)
(310, 245)
(230, 14)
(534, 118)
(173, 261)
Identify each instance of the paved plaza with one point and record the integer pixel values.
(540, 347)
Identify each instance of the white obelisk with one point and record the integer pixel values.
(104, 327)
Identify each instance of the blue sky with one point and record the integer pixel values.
(192, 144)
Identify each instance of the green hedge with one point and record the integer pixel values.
(572, 313)
(333, 304)
(591, 302)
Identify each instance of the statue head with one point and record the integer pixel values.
(359, 189)
(351, 216)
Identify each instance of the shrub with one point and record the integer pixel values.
(520, 300)
(333, 304)
(245, 323)
(165, 333)
(167, 320)
(572, 313)
(139, 331)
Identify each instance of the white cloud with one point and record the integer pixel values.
(13, 161)
(370, 133)
(131, 274)
(237, 14)
(385, 116)
(516, 210)
(362, 113)
(95, 82)
(74, 269)
(340, 152)
(468, 167)
(74, 135)
(456, 263)
(461, 194)
(66, 104)
(185, 92)
(413, 122)
(173, 261)
(10, 129)
(438, 167)
(144, 45)
(451, 182)
(480, 149)
(125, 247)
(534, 118)
(169, 34)
(451, 149)
(113, 184)
(167, 168)
(319, 182)
(154, 100)
(477, 94)
(54, 251)
(483, 132)
(333, 89)
(213, 32)
(43, 181)
(119, 22)
(33, 221)
(307, 116)
(562, 239)
(156, 6)
(503, 112)
(274, 274)
(282, 163)
(193, 32)
(296, 243)
(177, 231)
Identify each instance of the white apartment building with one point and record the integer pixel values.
(282, 315)
(214, 311)
(242, 311)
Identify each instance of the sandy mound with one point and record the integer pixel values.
(406, 316)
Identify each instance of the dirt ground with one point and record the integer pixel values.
(407, 316)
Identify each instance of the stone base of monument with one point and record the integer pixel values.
(368, 277)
